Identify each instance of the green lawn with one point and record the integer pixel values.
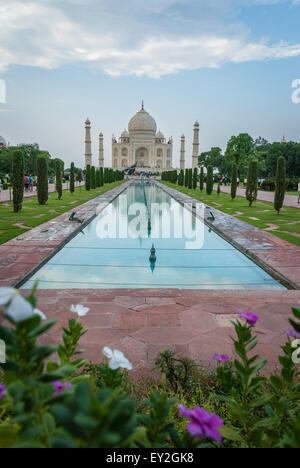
(287, 224)
(33, 214)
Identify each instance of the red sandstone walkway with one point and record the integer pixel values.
(6, 195)
(290, 200)
(141, 323)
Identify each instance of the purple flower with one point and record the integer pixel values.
(220, 357)
(292, 333)
(202, 424)
(59, 387)
(251, 318)
(2, 391)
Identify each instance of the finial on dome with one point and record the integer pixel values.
(143, 105)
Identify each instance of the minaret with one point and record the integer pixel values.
(196, 146)
(101, 150)
(88, 144)
(182, 153)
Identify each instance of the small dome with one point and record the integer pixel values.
(197, 124)
(2, 141)
(87, 122)
(142, 122)
(125, 134)
(160, 135)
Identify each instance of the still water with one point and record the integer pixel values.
(113, 251)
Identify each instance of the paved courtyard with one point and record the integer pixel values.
(141, 323)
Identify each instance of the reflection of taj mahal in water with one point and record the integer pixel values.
(142, 145)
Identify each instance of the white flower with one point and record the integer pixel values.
(38, 312)
(19, 309)
(80, 310)
(6, 294)
(116, 359)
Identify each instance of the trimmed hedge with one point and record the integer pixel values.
(18, 179)
(42, 180)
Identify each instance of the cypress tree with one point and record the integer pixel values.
(101, 177)
(58, 179)
(42, 180)
(181, 178)
(201, 178)
(97, 178)
(93, 177)
(79, 176)
(186, 178)
(190, 180)
(72, 179)
(251, 188)
(233, 181)
(280, 184)
(105, 175)
(88, 178)
(18, 179)
(195, 178)
(210, 180)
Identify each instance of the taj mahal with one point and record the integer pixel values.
(141, 145)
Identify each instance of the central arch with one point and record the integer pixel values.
(142, 157)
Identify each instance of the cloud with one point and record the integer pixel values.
(130, 38)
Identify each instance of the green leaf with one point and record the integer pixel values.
(261, 401)
(52, 367)
(41, 329)
(230, 434)
(59, 374)
(295, 325)
(296, 312)
(259, 365)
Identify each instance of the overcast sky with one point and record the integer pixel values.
(229, 64)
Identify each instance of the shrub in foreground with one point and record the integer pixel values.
(48, 403)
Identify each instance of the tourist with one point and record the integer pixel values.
(30, 183)
(26, 183)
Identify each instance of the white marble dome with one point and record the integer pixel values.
(142, 122)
